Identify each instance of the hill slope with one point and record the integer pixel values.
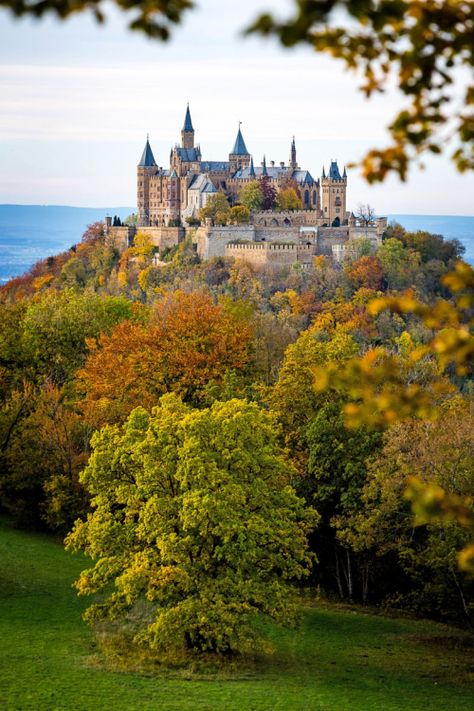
(339, 660)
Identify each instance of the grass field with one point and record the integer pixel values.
(339, 659)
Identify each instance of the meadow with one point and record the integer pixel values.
(339, 659)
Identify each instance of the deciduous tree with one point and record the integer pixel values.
(193, 516)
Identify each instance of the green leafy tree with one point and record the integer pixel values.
(251, 195)
(193, 516)
(239, 215)
(217, 209)
(288, 199)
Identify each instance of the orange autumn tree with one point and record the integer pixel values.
(189, 342)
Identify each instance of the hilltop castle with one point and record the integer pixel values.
(169, 199)
(168, 196)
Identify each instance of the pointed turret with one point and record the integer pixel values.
(239, 149)
(334, 171)
(147, 160)
(344, 175)
(324, 173)
(252, 169)
(264, 166)
(187, 134)
(188, 124)
(239, 157)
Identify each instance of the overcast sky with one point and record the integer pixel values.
(78, 99)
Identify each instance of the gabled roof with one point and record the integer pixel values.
(174, 174)
(239, 149)
(147, 160)
(302, 176)
(188, 124)
(202, 183)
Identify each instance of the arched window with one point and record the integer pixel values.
(314, 197)
(286, 222)
(306, 197)
(336, 222)
(274, 222)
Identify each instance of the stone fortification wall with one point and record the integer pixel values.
(212, 241)
(266, 255)
(122, 237)
(119, 237)
(277, 234)
(287, 218)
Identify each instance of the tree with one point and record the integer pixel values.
(288, 199)
(217, 209)
(251, 195)
(439, 453)
(366, 272)
(268, 191)
(193, 516)
(239, 215)
(95, 232)
(189, 342)
(365, 213)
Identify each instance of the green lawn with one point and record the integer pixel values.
(339, 660)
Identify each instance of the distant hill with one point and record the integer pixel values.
(32, 232)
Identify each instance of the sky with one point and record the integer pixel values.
(77, 100)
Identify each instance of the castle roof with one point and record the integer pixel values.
(188, 124)
(202, 183)
(239, 149)
(147, 160)
(215, 166)
(188, 155)
(334, 171)
(303, 177)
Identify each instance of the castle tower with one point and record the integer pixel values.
(293, 164)
(333, 195)
(173, 202)
(145, 170)
(187, 133)
(239, 157)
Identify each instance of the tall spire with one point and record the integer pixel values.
(324, 172)
(188, 124)
(147, 160)
(344, 175)
(293, 163)
(252, 169)
(264, 166)
(239, 149)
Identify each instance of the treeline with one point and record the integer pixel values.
(89, 335)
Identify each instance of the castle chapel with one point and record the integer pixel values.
(166, 197)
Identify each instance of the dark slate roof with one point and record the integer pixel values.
(239, 149)
(334, 171)
(217, 166)
(188, 124)
(302, 176)
(188, 154)
(147, 160)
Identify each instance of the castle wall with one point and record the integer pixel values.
(162, 237)
(212, 241)
(289, 218)
(271, 256)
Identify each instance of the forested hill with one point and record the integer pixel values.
(228, 356)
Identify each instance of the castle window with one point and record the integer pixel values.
(306, 197)
(314, 196)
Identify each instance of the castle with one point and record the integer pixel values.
(168, 196)
(169, 199)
